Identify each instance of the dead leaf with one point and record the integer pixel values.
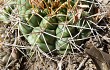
(100, 58)
(15, 53)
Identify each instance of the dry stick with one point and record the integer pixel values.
(59, 65)
(7, 64)
(83, 62)
(60, 62)
(11, 63)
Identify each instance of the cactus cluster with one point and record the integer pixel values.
(53, 25)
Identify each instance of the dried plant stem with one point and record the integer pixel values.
(82, 63)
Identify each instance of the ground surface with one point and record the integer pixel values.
(15, 53)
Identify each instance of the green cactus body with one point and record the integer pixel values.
(34, 36)
(25, 29)
(49, 23)
(23, 6)
(63, 11)
(83, 23)
(62, 17)
(32, 19)
(62, 30)
(49, 39)
(37, 36)
(62, 44)
(44, 12)
(45, 48)
(48, 26)
(72, 2)
(32, 39)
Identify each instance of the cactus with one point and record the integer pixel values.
(50, 27)
(6, 12)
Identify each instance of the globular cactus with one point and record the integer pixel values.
(51, 25)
